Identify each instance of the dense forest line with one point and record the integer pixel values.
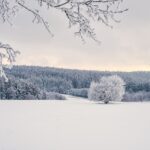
(37, 82)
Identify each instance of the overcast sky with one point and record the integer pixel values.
(126, 47)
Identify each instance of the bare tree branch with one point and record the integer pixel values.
(37, 16)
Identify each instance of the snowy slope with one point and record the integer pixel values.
(74, 124)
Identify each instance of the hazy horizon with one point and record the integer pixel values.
(17, 65)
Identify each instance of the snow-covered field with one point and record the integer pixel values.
(75, 124)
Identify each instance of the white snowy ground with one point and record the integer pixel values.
(75, 124)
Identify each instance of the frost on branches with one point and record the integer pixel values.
(110, 88)
(79, 13)
(7, 58)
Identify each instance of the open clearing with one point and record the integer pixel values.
(74, 124)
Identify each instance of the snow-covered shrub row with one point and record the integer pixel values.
(107, 89)
(79, 92)
(135, 97)
(54, 96)
(21, 89)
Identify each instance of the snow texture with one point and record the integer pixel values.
(75, 124)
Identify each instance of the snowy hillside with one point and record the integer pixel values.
(74, 124)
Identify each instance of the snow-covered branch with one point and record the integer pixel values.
(79, 13)
(7, 58)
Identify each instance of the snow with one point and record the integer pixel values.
(74, 124)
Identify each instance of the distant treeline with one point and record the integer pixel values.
(34, 79)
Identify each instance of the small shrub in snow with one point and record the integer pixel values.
(79, 92)
(54, 96)
(107, 89)
(136, 96)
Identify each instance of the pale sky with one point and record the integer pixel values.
(126, 47)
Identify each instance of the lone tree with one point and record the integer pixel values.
(79, 13)
(108, 89)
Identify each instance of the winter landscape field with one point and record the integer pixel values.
(74, 124)
(74, 75)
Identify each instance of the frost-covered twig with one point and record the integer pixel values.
(80, 13)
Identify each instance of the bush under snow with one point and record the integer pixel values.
(54, 96)
(107, 89)
(136, 96)
(83, 92)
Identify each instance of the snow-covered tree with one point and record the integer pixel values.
(107, 89)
